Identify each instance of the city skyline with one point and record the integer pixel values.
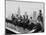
(12, 7)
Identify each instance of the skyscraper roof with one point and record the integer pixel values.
(18, 11)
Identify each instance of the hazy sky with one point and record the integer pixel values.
(12, 7)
